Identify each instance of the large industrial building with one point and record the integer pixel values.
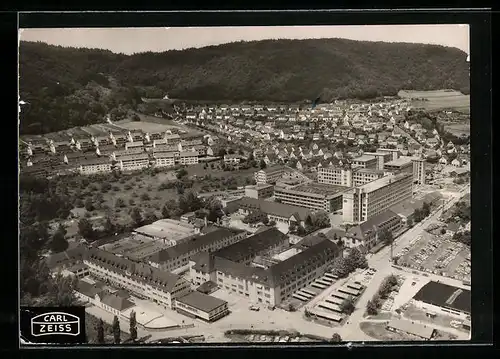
(315, 196)
(440, 298)
(269, 285)
(362, 203)
(177, 257)
(275, 211)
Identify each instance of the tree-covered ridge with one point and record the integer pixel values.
(272, 70)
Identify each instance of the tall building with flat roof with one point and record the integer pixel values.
(363, 202)
(349, 177)
(394, 152)
(315, 196)
(365, 161)
(419, 170)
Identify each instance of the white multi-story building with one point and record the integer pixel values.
(349, 177)
(188, 158)
(95, 165)
(363, 202)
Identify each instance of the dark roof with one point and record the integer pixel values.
(274, 208)
(372, 224)
(204, 262)
(67, 257)
(239, 270)
(193, 244)
(201, 301)
(321, 252)
(117, 302)
(207, 287)
(311, 241)
(444, 295)
(90, 290)
(141, 272)
(252, 245)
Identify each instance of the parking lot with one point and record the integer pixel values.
(436, 255)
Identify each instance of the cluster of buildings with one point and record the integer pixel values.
(305, 136)
(264, 267)
(102, 148)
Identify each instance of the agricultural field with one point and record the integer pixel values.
(151, 124)
(458, 129)
(438, 100)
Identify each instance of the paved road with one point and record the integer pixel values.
(381, 262)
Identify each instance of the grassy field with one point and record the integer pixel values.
(151, 124)
(438, 100)
(377, 330)
(458, 129)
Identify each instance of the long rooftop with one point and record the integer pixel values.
(384, 181)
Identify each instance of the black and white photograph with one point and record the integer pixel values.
(252, 185)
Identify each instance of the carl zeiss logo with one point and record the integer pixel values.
(53, 325)
(59, 323)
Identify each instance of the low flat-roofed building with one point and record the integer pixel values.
(202, 306)
(262, 190)
(444, 299)
(169, 231)
(382, 158)
(315, 196)
(275, 211)
(232, 159)
(418, 330)
(401, 164)
(178, 256)
(393, 151)
(78, 270)
(365, 161)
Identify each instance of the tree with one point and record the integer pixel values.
(356, 259)
(133, 326)
(272, 223)
(181, 173)
(136, 216)
(85, 229)
(109, 226)
(89, 205)
(409, 222)
(262, 164)
(150, 217)
(417, 215)
(309, 222)
(336, 338)
(116, 330)
(58, 242)
(347, 305)
(100, 332)
(165, 212)
(292, 227)
(386, 236)
(371, 308)
(119, 203)
(426, 209)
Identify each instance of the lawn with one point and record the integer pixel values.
(378, 331)
(438, 100)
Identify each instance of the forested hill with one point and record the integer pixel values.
(68, 86)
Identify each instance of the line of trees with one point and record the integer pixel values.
(373, 306)
(343, 266)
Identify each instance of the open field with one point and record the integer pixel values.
(436, 255)
(438, 100)
(150, 124)
(458, 129)
(377, 330)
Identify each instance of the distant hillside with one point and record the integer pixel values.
(68, 87)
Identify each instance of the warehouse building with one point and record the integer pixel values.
(259, 191)
(440, 298)
(201, 306)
